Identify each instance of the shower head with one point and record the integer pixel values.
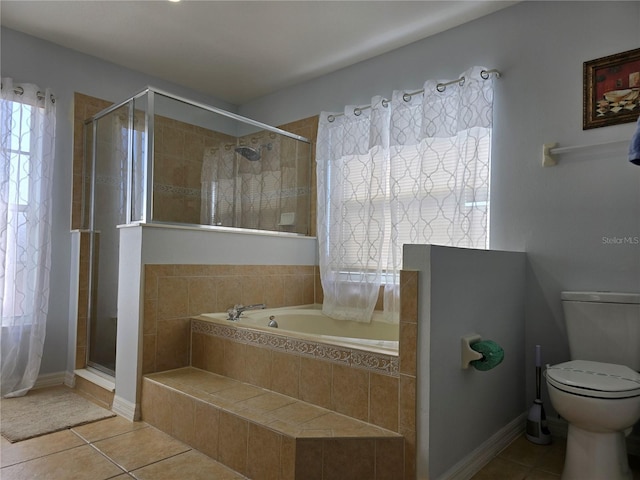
(250, 153)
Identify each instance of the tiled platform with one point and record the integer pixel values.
(263, 434)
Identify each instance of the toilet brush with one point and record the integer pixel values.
(537, 431)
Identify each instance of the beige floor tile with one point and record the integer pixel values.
(139, 448)
(553, 460)
(78, 463)
(93, 432)
(536, 474)
(525, 452)
(190, 465)
(500, 468)
(13, 453)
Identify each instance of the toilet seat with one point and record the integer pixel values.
(594, 379)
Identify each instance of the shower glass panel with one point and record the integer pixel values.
(110, 166)
(217, 170)
(159, 158)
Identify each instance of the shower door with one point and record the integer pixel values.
(109, 168)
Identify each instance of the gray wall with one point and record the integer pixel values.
(28, 59)
(462, 292)
(558, 215)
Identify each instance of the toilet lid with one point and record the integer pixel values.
(595, 379)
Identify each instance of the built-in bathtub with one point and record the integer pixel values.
(307, 322)
(349, 367)
(345, 368)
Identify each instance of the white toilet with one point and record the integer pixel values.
(598, 391)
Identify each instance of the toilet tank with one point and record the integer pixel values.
(603, 327)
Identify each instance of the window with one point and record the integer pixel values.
(419, 199)
(19, 152)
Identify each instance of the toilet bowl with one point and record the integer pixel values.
(598, 391)
(600, 401)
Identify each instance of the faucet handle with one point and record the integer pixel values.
(233, 313)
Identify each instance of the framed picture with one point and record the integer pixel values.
(611, 90)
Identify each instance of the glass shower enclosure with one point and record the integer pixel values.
(163, 159)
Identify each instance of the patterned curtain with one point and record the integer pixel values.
(238, 192)
(415, 169)
(27, 135)
(218, 177)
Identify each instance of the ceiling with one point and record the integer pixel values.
(237, 50)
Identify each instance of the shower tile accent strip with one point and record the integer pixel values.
(376, 362)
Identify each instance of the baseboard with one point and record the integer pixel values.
(50, 380)
(126, 409)
(473, 463)
(70, 379)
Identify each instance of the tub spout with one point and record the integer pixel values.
(236, 311)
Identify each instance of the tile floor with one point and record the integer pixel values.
(523, 460)
(116, 448)
(112, 448)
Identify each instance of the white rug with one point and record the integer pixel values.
(45, 411)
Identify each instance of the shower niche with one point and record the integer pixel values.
(157, 158)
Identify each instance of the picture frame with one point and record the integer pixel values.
(611, 90)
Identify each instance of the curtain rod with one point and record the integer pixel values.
(440, 87)
(41, 96)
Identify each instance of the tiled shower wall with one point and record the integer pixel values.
(179, 150)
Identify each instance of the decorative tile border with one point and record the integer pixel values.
(372, 361)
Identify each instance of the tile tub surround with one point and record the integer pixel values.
(266, 435)
(372, 387)
(175, 293)
(358, 383)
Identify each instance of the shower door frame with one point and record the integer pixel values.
(91, 301)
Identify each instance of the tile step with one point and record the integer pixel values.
(263, 434)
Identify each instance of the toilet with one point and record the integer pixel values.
(598, 391)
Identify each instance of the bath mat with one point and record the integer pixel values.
(45, 411)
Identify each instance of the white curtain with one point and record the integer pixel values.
(237, 192)
(218, 186)
(260, 183)
(415, 169)
(27, 136)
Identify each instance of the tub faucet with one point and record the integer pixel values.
(236, 311)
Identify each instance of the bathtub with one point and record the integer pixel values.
(307, 322)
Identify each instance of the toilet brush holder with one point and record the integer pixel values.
(537, 431)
